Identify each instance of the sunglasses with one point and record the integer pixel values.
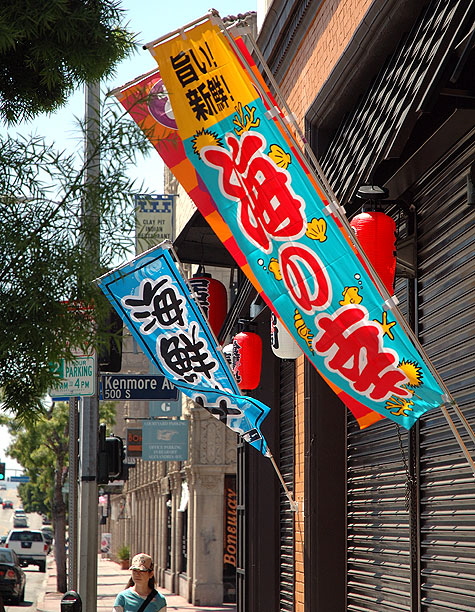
(136, 569)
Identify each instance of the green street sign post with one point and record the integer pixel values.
(76, 377)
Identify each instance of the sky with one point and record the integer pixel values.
(10, 464)
(149, 19)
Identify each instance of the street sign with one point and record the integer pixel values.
(137, 387)
(76, 377)
(19, 479)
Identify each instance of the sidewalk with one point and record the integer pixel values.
(110, 580)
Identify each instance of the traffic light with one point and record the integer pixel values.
(110, 459)
(110, 353)
(2, 471)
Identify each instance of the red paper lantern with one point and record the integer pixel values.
(247, 359)
(213, 299)
(376, 233)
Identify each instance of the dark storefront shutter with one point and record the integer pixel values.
(287, 400)
(446, 227)
(380, 573)
(378, 554)
(379, 545)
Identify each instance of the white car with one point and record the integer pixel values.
(30, 546)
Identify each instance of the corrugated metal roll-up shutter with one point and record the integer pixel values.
(446, 247)
(378, 527)
(378, 554)
(286, 461)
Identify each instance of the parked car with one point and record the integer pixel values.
(7, 503)
(30, 546)
(48, 536)
(12, 577)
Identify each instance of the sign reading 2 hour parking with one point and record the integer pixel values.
(138, 387)
(76, 377)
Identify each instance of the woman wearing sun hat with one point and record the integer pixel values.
(140, 594)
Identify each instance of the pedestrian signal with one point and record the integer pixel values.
(110, 459)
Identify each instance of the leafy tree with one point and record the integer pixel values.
(50, 47)
(42, 448)
(49, 305)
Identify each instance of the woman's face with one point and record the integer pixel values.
(140, 577)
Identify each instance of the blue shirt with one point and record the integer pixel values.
(130, 601)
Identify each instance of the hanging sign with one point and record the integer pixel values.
(165, 440)
(153, 220)
(290, 229)
(171, 408)
(134, 442)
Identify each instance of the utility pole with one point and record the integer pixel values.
(89, 406)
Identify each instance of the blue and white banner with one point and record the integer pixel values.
(156, 305)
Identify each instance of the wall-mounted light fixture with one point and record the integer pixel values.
(372, 192)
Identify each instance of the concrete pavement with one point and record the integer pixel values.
(110, 580)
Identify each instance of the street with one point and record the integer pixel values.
(35, 580)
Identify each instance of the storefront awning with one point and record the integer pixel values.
(198, 244)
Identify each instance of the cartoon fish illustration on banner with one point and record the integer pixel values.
(156, 305)
(290, 229)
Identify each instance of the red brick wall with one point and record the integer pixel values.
(324, 43)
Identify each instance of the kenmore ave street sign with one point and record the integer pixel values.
(137, 387)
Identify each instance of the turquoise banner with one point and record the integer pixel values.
(294, 243)
(155, 304)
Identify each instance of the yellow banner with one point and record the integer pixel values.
(207, 81)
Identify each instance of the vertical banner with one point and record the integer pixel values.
(156, 305)
(153, 220)
(295, 241)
